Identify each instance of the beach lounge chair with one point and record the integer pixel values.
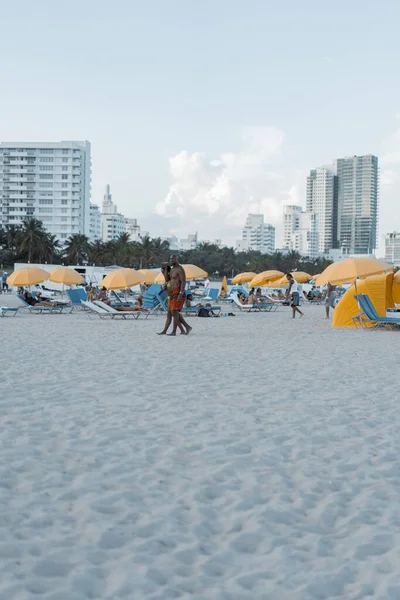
(43, 309)
(76, 296)
(128, 314)
(369, 315)
(257, 307)
(154, 300)
(8, 310)
(94, 309)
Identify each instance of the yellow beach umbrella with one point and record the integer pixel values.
(27, 276)
(351, 269)
(66, 276)
(314, 277)
(265, 278)
(148, 275)
(243, 278)
(299, 276)
(121, 279)
(191, 272)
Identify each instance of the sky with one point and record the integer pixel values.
(200, 111)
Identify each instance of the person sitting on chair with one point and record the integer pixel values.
(29, 299)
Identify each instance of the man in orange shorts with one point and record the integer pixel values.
(177, 295)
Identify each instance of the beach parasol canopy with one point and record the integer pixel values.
(27, 276)
(148, 276)
(314, 277)
(299, 276)
(243, 278)
(265, 278)
(191, 272)
(66, 276)
(350, 269)
(121, 279)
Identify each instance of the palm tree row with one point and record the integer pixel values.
(32, 243)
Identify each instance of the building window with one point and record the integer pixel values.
(45, 185)
(65, 168)
(64, 210)
(46, 150)
(44, 159)
(45, 176)
(64, 193)
(46, 168)
(64, 176)
(65, 151)
(63, 235)
(45, 201)
(64, 201)
(64, 185)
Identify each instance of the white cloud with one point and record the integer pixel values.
(214, 196)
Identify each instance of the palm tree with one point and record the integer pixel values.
(76, 248)
(32, 238)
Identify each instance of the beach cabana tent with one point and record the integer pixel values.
(224, 287)
(380, 290)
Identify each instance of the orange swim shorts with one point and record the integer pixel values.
(176, 303)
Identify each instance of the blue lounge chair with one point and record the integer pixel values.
(8, 310)
(42, 309)
(77, 296)
(369, 314)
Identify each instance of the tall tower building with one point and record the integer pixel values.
(112, 222)
(358, 192)
(322, 201)
(48, 181)
(291, 222)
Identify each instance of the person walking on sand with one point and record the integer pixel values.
(166, 271)
(294, 295)
(330, 298)
(177, 295)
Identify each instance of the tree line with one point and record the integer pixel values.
(30, 242)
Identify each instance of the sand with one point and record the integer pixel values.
(254, 459)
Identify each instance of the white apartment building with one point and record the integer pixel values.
(133, 229)
(48, 181)
(112, 222)
(392, 248)
(322, 200)
(291, 219)
(94, 223)
(305, 239)
(257, 235)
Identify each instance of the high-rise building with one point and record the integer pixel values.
(357, 203)
(322, 201)
(112, 222)
(133, 229)
(392, 248)
(258, 235)
(48, 181)
(291, 218)
(94, 223)
(305, 238)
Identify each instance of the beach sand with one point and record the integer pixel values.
(254, 459)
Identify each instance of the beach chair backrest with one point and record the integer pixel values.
(93, 307)
(365, 307)
(213, 293)
(371, 307)
(24, 301)
(77, 296)
(105, 307)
